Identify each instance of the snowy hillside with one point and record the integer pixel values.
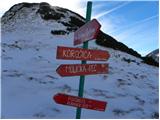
(29, 78)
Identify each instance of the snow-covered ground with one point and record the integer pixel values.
(29, 78)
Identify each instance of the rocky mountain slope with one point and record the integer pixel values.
(73, 23)
(30, 36)
(154, 54)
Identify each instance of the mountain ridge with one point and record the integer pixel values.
(48, 13)
(154, 54)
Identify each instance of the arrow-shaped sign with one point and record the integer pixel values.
(79, 102)
(87, 32)
(69, 53)
(82, 69)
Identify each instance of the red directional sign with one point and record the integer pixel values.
(69, 53)
(79, 102)
(87, 32)
(81, 69)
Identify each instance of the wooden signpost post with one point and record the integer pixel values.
(85, 33)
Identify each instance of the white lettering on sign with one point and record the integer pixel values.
(87, 33)
(78, 69)
(76, 102)
(92, 68)
(77, 54)
(79, 102)
(73, 104)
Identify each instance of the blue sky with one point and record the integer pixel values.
(134, 23)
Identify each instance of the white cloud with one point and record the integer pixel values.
(132, 29)
(111, 10)
(141, 36)
(107, 25)
(135, 24)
